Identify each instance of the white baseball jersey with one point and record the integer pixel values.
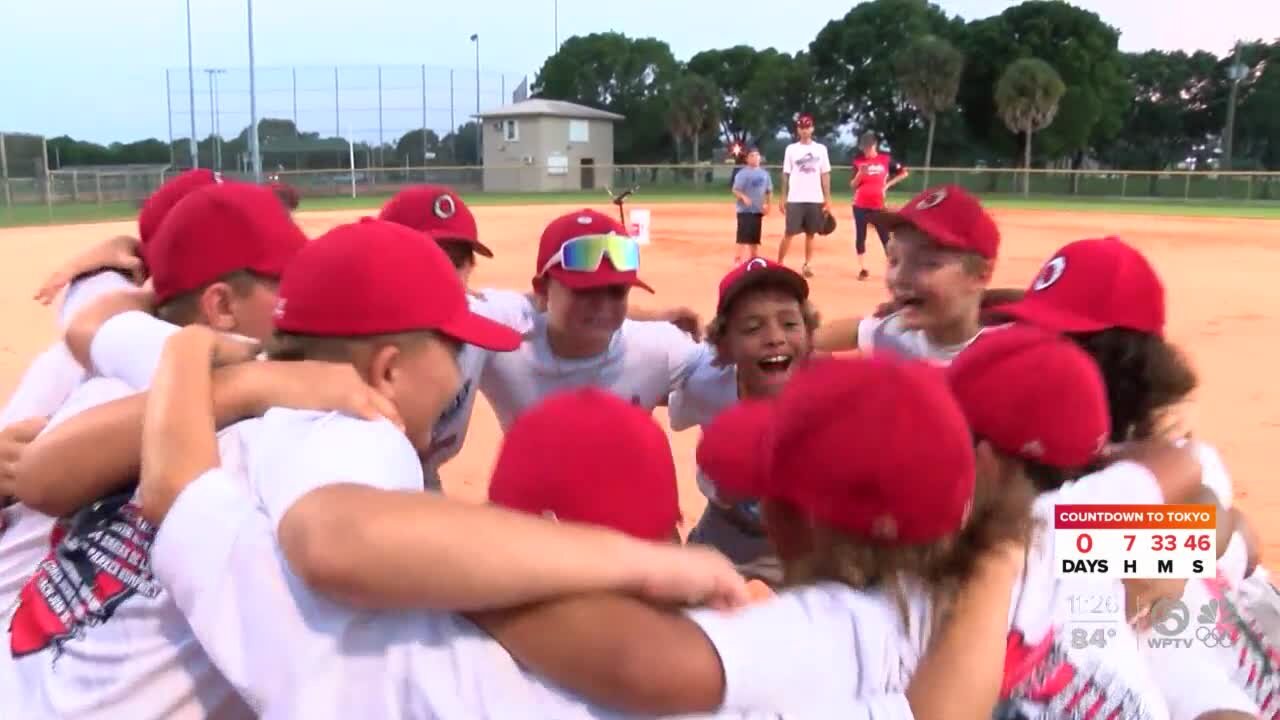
(804, 164)
(645, 361)
(217, 554)
(54, 373)
(886, 335)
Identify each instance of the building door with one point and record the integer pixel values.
(588, 174)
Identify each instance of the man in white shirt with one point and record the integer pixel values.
(806, 190)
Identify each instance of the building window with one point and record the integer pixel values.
(578, 131)
(511, 130)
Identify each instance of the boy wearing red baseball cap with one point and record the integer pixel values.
(941, 254)
(215, 261)
(762, 331)
(586, 267)
(109, 266)
(442, 214)
(1105, 296)
(311, 473)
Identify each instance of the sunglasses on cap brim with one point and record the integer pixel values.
(586, 253)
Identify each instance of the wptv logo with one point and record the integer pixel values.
(1147, 542)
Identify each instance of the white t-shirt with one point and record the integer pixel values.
(93, 635)
(886, 335)
(804, 164)
(54, 373)
(26, 541)
(644, 363)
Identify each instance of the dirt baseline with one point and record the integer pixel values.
(1220, 275)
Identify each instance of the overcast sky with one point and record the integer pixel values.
(96, 70)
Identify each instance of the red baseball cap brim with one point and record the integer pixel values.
(774, 274)
(1035, 311)
(934, 226)
(482, 332)
(605, 276)
(476, 245)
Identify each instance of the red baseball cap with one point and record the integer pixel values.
(588, 456)
(374, 277)
(166, 196)
(804, 120)
(574, 225)
(1033, 395)
(876, 447)
(951, 217)
(755, 271)
(1093, 285)
(218, 229)
(438, 210)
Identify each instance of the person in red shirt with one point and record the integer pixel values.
(874, 173)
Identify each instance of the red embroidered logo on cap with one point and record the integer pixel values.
(1050, 273)
(931, 200)
(444, 207)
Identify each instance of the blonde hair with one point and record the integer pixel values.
(1001, 513)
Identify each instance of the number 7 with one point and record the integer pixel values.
(1130, 539)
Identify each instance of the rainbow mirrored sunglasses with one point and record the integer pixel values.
(585, 253)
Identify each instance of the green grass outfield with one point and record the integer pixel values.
(23, 215)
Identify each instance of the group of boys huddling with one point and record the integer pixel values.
(224, 499)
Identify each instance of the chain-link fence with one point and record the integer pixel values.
(117, 190)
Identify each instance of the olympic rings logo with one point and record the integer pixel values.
(1214, 637)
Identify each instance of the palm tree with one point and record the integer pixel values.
(928, 71)
(1027, 96)
(695, 105)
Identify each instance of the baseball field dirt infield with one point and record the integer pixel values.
(1222, 276)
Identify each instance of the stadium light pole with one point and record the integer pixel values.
(1235, 73)
(479, 151)
(213, 115)
(255, 152)
(191, 92)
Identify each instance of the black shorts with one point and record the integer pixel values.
(749, 228)
(804, 218)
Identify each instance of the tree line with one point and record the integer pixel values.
(1041, 84)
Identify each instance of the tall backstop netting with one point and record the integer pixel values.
(394, 114)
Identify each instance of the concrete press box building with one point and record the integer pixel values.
(547, 146)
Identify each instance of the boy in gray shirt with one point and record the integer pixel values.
(753, 188)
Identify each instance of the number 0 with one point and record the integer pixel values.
(1084, 543)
